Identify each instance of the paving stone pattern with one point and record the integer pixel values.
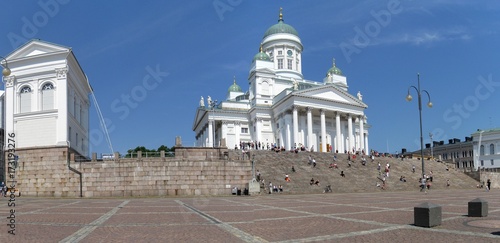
(332, 217)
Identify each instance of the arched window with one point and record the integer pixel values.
(481, 150)
(48, 96)
(492, 149)
(25, 99)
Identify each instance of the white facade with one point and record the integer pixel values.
(486, 145)
(283, 108)
(46, 98)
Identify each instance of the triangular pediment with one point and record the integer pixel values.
(36, 48)
(200, 113)
(330, 93)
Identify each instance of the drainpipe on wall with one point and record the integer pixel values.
(68, 158)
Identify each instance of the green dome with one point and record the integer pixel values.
(234, 87)
(280, 27)
(334, 70)
(261, 55)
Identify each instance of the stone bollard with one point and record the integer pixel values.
(478, 208)
(427, 215)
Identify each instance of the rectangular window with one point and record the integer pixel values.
(25, 102)
(280, 52)
(280, 63)
(492, 163)
(244, 130)
(48, 99)
(76, 145)
(289, 63)
(482, 163)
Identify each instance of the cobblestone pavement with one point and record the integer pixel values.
(354, 217)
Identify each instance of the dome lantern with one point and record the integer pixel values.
(334, 70)
(280, 27)
(234, 87)
(261, 55)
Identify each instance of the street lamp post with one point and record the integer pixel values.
(429, 104)
(5, 73)
(478, 151)
(253, 167)
(432, 145)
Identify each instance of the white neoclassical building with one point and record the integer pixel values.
(46, 98)
(486, 147)
(282, 107)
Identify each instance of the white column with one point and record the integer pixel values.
(257, 130)
(204, 137)
(210, 134)
(9, 98)
(288, 133)
(302, 129)
(281, 125)
(237, 131)
(309, 128)
(323, 131)
(366, 144)
(338, 139)
(62, 105)
(349, 128)
(361, 133)
(295, 126)
(223, 134)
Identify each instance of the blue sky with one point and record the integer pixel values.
(188, 49)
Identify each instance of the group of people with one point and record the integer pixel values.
(312, 161)
(314, 182)
(487, 186)
(274, 188)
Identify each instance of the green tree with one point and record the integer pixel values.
(164, 148)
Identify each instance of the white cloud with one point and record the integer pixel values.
(423, 37)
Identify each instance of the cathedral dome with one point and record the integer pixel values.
(261, 55)
(334, 70)
(281, 27)
(234, 87)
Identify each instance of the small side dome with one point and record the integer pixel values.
(261, 55)
(234, 87)
(334, 70)
(281, 27)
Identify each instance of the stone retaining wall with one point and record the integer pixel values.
(45, 172)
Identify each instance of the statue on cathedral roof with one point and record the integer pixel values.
(202, 102)
(360, 96)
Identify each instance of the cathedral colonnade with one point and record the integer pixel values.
(317, 129)
(321, 130)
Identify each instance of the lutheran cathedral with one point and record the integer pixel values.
(282, 107)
